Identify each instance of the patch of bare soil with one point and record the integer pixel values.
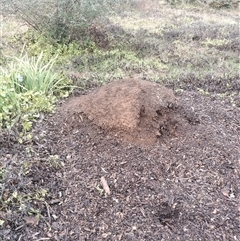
(184, 186)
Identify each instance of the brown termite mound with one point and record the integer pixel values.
(138, 111)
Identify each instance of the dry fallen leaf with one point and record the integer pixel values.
(31, 220)
(105, 235)
(105, 186)
(1, 222)
(225, 192)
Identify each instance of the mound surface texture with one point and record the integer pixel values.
(135, 109)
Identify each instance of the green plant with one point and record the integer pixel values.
(38, 43)
(216, 42)
(53, 161)
(2, 174)
(33, 74)
(29, 86)
(39, 195)
(64, 20)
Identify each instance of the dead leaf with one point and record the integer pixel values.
(105, 235)
(225, 192)
(33, 220)
(105, 186)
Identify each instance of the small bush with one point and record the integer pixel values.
(64, 20)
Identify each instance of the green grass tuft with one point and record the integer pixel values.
(29, 86)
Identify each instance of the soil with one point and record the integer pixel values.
(105, 183)
(138, 111)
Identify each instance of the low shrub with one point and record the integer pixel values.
(65, 20)
(211, 3)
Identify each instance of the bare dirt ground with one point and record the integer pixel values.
(100, 186)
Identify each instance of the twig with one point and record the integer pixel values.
(20, 237)
(19, 227)
(48, 212)
(41, 239)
